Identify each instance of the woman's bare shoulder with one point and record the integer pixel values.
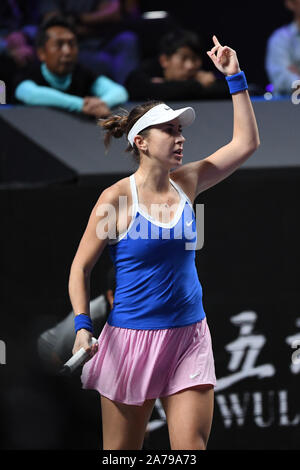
(112, 193)
(185, 179)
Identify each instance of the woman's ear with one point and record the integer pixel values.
(140, 142)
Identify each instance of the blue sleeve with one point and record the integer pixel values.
(32, 94)
(110, 92)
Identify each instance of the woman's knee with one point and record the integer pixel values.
(189, 442)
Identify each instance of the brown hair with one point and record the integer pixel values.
(117, 125)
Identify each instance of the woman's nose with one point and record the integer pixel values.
(181, 138)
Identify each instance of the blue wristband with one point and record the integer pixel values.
(237, 82)
(83, 321)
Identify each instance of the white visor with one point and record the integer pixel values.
(160, 114)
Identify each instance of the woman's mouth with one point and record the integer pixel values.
(178, 154)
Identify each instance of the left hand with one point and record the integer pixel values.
(94, 106)
(224, 58)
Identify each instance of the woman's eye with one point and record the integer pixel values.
(172, 130)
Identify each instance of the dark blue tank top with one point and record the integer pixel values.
(157, 284)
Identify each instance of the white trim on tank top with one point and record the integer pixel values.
(136, 208)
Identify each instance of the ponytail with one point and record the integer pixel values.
(118, 125)
(115, 126)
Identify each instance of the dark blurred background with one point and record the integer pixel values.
(243, 26)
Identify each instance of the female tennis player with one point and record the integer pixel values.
(156, 341)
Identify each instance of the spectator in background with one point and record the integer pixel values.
(176, 74)
(104, 46)
(55, 345)
(60, 81)
(17, 28)
(283, 53)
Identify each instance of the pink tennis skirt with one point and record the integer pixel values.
(132, 366)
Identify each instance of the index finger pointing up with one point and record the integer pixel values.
(215, 39)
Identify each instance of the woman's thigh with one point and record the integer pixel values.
(189, 416)
(124, 426)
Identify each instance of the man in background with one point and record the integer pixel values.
(106, 45)
(177, 73)
(55, 345)
(58, 80)
(283, 53)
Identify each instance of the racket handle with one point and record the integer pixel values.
(77, 359)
